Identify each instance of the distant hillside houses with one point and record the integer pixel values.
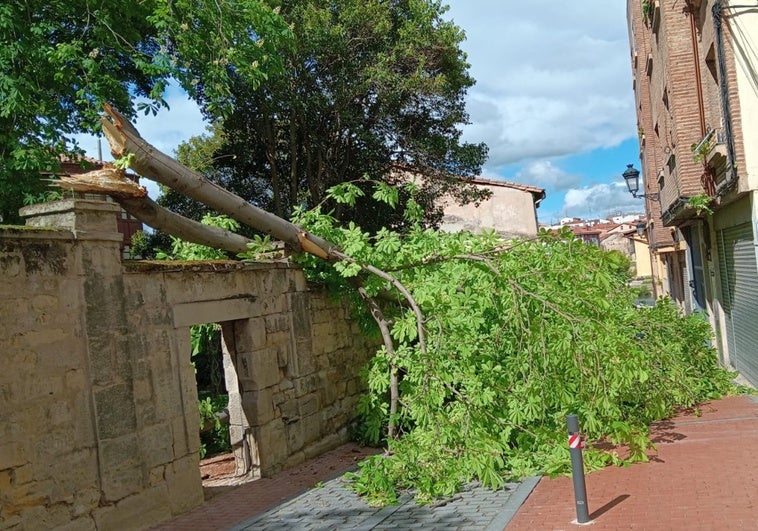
(623, 233)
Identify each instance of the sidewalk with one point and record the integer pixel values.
(704, 477)
(236, 505)
(313, 496)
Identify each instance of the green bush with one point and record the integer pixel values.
(214, 435)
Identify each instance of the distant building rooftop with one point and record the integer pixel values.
(538, 193)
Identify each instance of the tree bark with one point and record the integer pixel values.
(149, 162)
(294, 158)
(271, 151)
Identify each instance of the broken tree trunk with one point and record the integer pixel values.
(133, 198)
(149, 162)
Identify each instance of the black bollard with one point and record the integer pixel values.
(577, 469)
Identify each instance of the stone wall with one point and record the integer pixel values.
(98, 399)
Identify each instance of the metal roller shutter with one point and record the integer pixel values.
(739, 285)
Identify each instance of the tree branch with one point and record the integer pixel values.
(378, 315)
(153, 164)
(401, 288)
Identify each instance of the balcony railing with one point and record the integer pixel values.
(712, 152)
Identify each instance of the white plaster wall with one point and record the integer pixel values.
(509, 211)
(744, 31)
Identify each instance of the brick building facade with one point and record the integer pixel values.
(696, 93)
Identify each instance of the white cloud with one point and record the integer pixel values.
(543, 173)
(553, 78)
(600, 200)
(166, 134)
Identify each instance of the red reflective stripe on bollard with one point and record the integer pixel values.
(575, 440)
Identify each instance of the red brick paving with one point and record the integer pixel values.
(245, 501)
(703, 477)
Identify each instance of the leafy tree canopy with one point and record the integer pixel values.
(370, 87)
(60, 60)
(516, 335)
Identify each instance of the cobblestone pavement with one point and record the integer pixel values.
(333, 506)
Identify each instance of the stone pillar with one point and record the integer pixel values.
(244, 446)
(95, 227)
(87, 219)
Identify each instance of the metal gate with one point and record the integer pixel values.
(739, 285)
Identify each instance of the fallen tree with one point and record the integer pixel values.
(127, 144)
(131, 150)
(133, 198)
(487, 346)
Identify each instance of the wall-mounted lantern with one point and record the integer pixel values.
(632, 178)
(641, 226)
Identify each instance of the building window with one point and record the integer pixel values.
(671, 165)
(710, 61)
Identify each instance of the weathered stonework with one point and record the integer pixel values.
(98, 399)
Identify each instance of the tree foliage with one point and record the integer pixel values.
(60, 60)
(491, 343)
(182, 250)
(518, 335)
(370, 87)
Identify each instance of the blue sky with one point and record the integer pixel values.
(587, 184)
(553, 101)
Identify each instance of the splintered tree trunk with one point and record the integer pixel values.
(149, 162)
(133, 198)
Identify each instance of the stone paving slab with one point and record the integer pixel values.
(334, 506)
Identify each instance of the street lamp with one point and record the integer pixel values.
(632, 178)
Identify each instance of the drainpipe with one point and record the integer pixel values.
(706, 178)
(696, 58)
(724, 89)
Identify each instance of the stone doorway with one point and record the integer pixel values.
(241, 332)
(215, 357)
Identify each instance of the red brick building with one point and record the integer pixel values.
(696, 92)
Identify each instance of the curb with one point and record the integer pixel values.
(513, 504)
